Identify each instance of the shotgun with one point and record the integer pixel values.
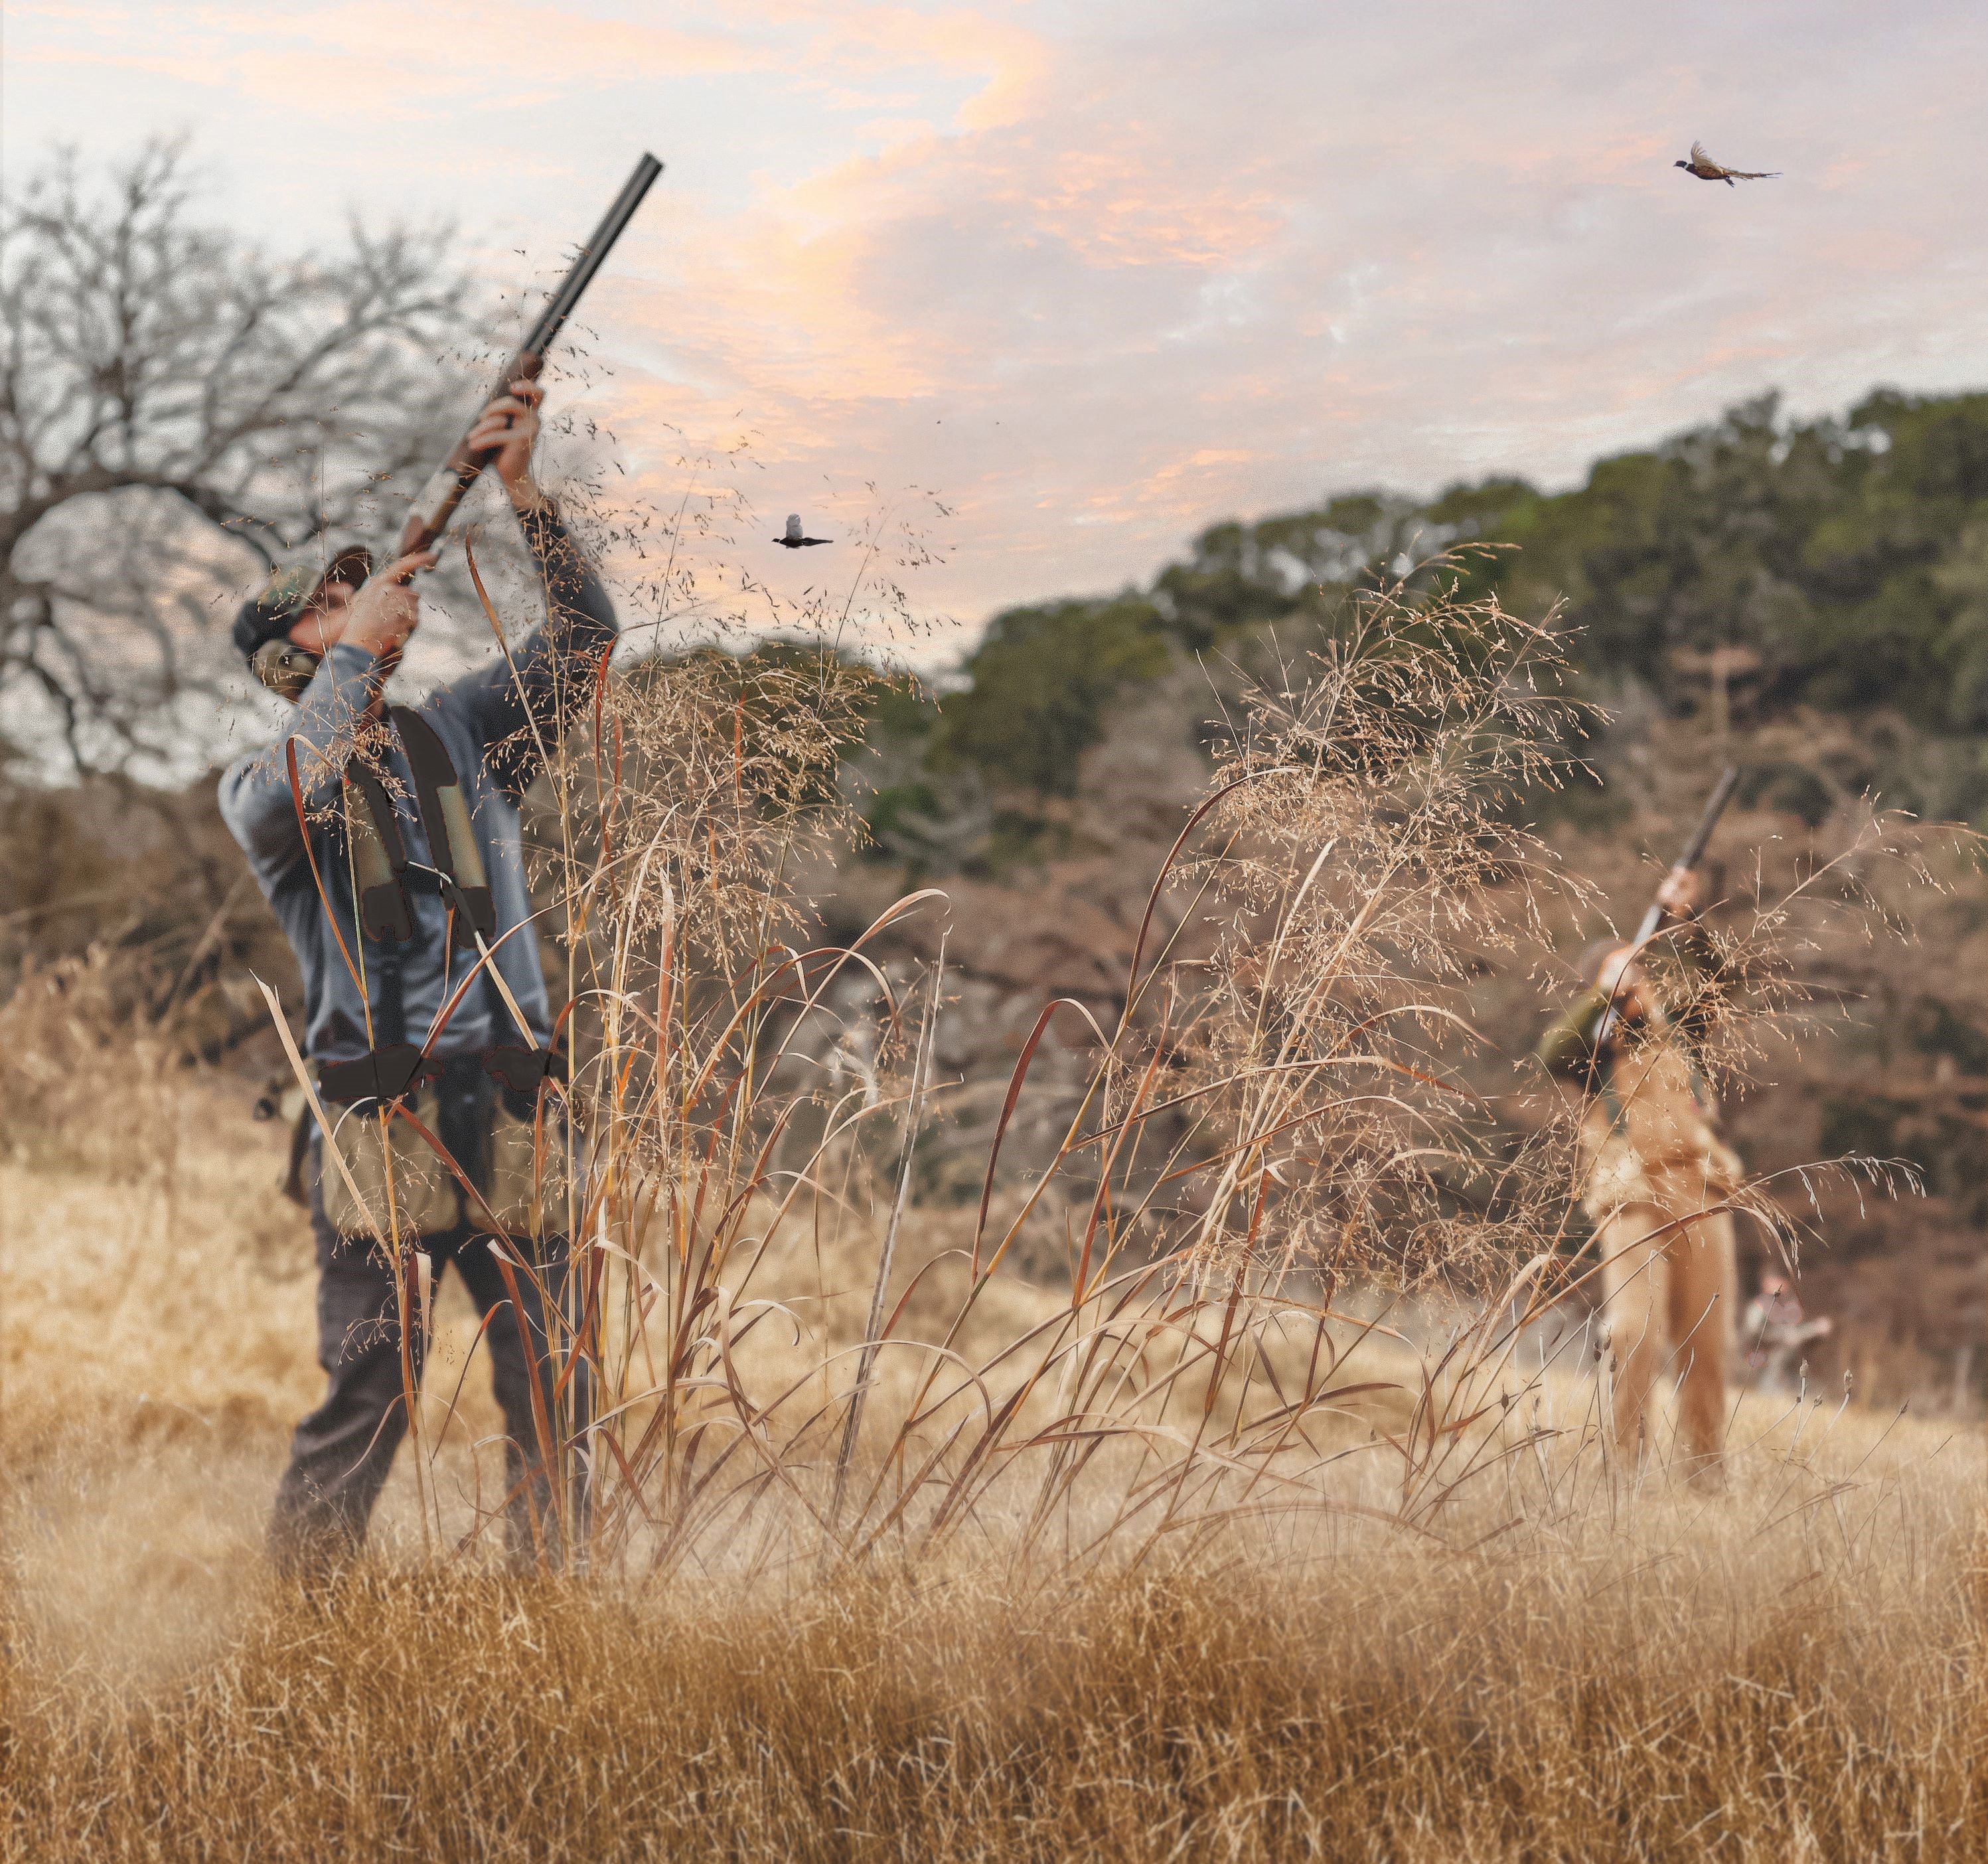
(440, 497)
(286, 669)
(1694, 852)
(443, 492)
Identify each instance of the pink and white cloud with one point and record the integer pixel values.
(1099, 274)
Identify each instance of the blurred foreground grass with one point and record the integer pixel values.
(1792, 1667)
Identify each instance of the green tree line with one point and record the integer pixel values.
(1841, 562)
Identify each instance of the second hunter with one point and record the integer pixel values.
(1658, 1180)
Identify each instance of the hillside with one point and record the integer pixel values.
(1810, 599)
(1737, 574)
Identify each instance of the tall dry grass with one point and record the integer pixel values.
(1268, 1515)
(1792, 1671)
(1585, 1704)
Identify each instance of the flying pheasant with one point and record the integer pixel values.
(794, 540)
(1707, 170)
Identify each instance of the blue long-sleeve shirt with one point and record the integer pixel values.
(483, 721)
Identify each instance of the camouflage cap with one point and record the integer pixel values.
(271, 614)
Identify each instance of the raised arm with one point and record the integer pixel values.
(552, 670)
(554, 665)
(1705, 982)
(1567, 1047)
(255, 800)
(1699, 982)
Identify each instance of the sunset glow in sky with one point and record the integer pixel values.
(1100, 274)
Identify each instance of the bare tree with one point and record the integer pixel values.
(176, 406)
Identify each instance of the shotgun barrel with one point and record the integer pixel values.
(437, 504)
(1694, 849)
(1694, 852)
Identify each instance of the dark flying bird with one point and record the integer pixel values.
(1707, 170)
(794, 540)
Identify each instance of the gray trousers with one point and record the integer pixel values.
(341, 1453)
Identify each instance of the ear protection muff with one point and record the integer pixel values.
(261, 630)
(284, 667)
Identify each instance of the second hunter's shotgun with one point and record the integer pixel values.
(439, 498)
(1694, 852)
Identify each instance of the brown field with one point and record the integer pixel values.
(1580, 1664)
(1168, 1532)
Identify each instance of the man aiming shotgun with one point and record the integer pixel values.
(1657, 1178)
(396, 869)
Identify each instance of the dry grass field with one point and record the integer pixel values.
(1210, 1490)
(1586, 1665)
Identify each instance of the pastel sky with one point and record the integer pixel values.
(1099, 274)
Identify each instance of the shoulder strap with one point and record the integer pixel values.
(390, 1024)
(380, 859)
(445, 816)
(382, 855)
